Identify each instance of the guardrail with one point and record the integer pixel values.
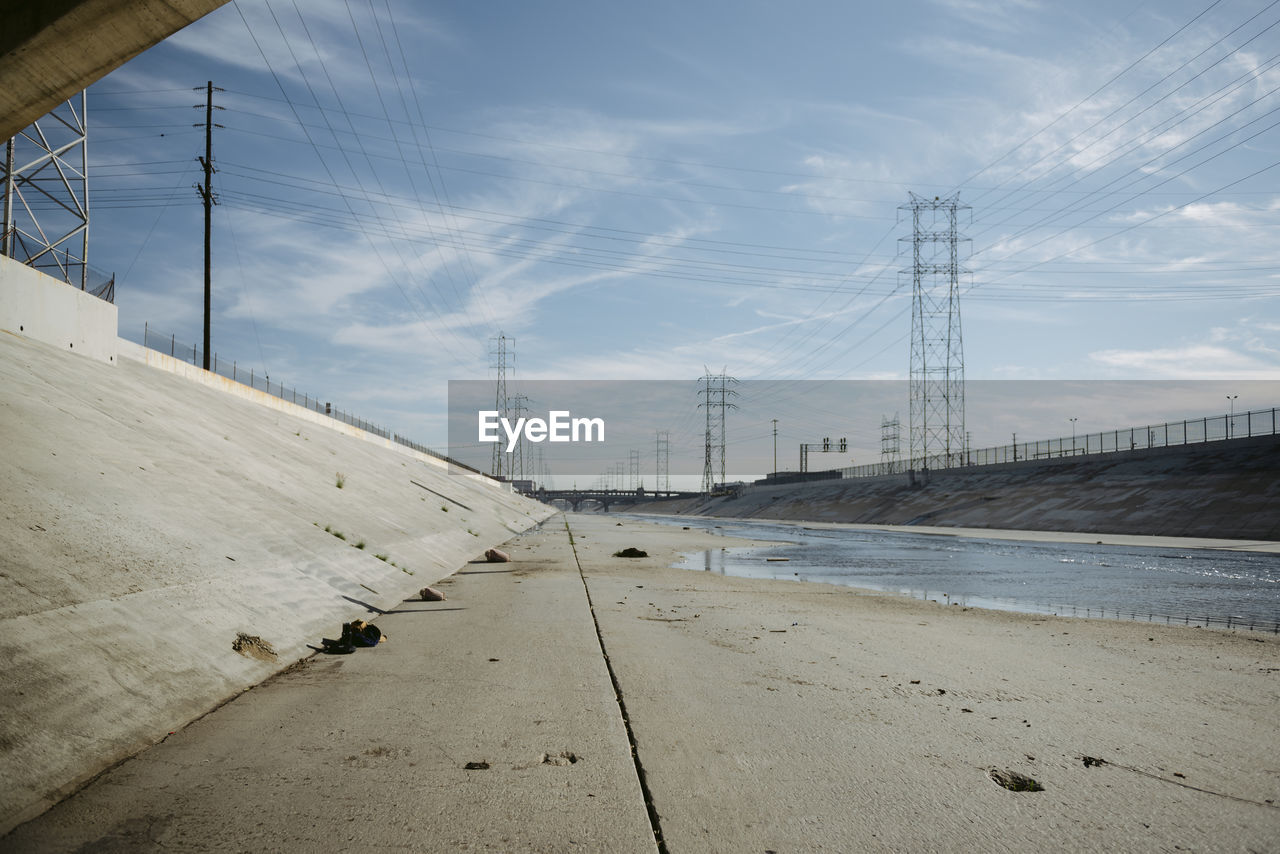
(1193, 431)
(191, 353)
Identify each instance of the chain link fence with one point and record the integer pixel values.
(1258, 422)
(190, 353)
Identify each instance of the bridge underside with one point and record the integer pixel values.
(51, 49)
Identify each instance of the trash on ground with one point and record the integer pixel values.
(497, 556)
(354, 634)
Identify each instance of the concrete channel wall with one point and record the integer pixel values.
(171, 540)
(1220, 490)
(42, 308)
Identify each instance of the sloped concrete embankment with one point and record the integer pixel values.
(1227, 490)
(152, 525)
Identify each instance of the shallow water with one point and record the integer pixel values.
(1186, 586)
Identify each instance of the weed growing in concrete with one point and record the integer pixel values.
(445, 509)
(342, 480)
(360, 545)
(338, 534)
(382, 558)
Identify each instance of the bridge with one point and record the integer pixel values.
(575, 497)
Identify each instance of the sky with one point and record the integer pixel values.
(657, 191)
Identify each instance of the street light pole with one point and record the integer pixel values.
(1073, 436)
(1231, 399)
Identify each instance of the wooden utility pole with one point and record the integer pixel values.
(206, 193)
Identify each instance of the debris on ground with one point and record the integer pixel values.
(355, 634)
(1015, 782)
(497, 556)
(631, 551)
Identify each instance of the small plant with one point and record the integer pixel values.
(327, 529)
(382, 558)
(445, 509)
(342, 480)
(472, 533)
(360, 545)
(339, 535)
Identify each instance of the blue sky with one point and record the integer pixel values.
(646, 191)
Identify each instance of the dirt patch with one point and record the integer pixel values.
(253, 646)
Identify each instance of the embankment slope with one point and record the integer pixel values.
(1222, 490)
(149, 521)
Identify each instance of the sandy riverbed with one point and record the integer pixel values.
(786, 715)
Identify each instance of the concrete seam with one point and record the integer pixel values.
(655, 822)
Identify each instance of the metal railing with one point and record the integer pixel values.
(62, 266)
(190, 353)
(1216, 428)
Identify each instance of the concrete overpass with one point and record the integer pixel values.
(51, 49)
(606, 497)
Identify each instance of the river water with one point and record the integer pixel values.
(1208, 587)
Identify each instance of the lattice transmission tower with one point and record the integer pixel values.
(46, 194)
(716, 393)
(498, 356)
(890, 439)
(516, 467)
(937, 347)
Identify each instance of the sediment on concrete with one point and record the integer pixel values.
(169, 545)
(1223, 490)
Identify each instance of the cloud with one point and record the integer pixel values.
(1192, 361)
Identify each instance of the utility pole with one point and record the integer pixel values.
(206, 193)
(775, 446)
(662, 453)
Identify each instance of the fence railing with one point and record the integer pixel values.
(64, 267)
(232, 370)
(1207, 621)
(1216, 428)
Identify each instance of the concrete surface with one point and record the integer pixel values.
(766, 716)
(38, 306)
(51, 49)
(149, 521)
(368, 751)
(1228, 490)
